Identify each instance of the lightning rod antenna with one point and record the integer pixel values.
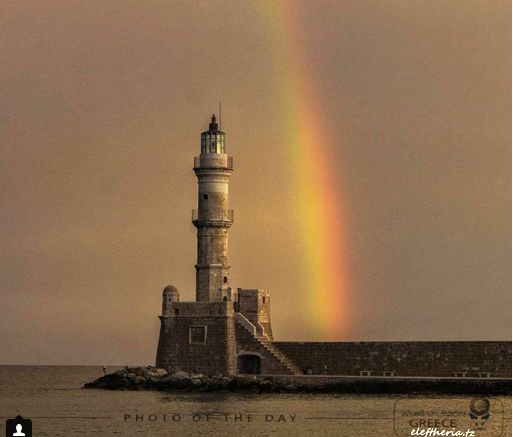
(220, 116)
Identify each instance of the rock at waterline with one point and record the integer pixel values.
(142, 378)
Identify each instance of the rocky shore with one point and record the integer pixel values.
(142, 378)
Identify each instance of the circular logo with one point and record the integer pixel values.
(479, 406)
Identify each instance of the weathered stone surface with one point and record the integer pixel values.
(407, 358)
(139, 380)
(217, 354)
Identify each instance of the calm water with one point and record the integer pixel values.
(53, 398)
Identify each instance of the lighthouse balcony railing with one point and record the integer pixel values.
(212, 217)
(206, 163)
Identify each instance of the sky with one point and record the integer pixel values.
(405, 107)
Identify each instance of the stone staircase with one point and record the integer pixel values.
(294, 370)
(265, 345)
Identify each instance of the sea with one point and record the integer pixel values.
(53, 399)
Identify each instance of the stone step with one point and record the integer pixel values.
(278, 355)
(275, 352)
(267, 345)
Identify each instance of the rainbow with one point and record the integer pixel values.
(320, 217)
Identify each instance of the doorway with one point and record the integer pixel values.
(248, 364)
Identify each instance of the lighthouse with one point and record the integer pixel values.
(222, 331)
(212, 218)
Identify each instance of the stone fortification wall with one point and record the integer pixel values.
(198, 337)
(411, 358)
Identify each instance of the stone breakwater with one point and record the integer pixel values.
(141, 378)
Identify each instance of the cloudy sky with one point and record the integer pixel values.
(101, 106)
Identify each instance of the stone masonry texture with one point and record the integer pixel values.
(410, 358)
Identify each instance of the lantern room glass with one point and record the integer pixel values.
(213, 142)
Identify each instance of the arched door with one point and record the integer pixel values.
(248, 364)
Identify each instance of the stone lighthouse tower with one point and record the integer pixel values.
(212, 218)
(221, 331)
